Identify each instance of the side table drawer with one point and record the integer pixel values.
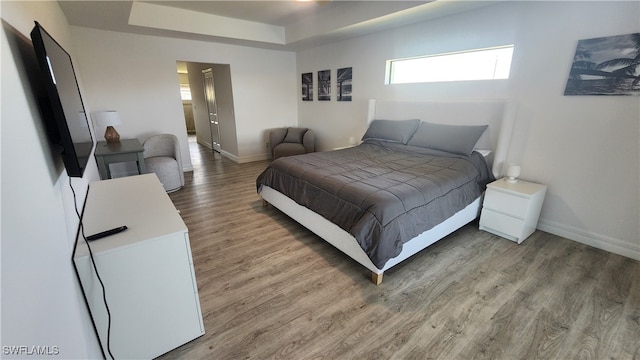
(508, 225)
(506, 203)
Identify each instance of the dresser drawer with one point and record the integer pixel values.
(506, 203)
(502, 223)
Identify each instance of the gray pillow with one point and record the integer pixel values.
(391, 130)
(457, 139)
(294, 135)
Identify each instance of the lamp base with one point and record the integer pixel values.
(111, 135)
(511, 180)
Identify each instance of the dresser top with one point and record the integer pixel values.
(139, 202)
(520, 187)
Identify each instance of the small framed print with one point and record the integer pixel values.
(307, 87)
(324, 85)
(343, 83)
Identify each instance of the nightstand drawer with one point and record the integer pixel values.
(502, 223)
(506, 203)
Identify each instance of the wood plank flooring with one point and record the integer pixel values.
(270, 289)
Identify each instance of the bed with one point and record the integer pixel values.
(418, 175)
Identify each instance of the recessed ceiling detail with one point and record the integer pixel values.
(188, 21)
(281, 25)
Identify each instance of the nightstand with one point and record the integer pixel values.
(122, 151)
(511, 210)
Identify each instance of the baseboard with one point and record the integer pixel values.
(207, 145)
(252, 158)
(230, 156)
(602, 242)
(242, 159)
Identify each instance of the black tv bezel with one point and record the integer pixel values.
(74, 163)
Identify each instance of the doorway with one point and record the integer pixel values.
(219, 136)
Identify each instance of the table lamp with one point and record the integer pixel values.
(513, 171)
(109, 118)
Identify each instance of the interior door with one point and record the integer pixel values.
(212, 108)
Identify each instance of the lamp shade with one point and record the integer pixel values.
(107, 118)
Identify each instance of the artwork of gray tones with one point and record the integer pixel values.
(324, 85)
(606, 66)
(307, 87)
(343, 80)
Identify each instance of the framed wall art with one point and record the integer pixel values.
(606, 66)
(343, 83)
(324, 85)
(307, 87)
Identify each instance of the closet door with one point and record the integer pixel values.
(212, 108)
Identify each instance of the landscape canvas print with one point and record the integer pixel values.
(606, 66)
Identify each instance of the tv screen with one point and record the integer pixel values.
(63, 107)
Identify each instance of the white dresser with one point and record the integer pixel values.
(147, 270)
(511, 210)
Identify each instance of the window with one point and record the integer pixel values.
(185, 92)
(478, 64)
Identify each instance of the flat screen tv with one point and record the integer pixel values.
(63, 108)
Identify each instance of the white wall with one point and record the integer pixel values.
(585, 148)
(42, 302)
(136, 75)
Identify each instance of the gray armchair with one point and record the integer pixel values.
(162, 157)
(291, 141)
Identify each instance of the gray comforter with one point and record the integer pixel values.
(382, 193)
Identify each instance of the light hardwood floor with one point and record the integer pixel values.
(270, 289)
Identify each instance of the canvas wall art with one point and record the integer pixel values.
(343, 83)
(307, 87)
(606, 66)
(324, 85)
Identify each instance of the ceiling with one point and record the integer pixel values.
(284, 24)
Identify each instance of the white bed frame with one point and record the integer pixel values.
(499, 115)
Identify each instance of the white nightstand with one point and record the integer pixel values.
(512, 210)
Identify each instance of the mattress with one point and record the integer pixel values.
(382, 193)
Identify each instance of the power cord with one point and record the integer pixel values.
(104, 293)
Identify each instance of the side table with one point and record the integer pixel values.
(123, 151)
(511, 210)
